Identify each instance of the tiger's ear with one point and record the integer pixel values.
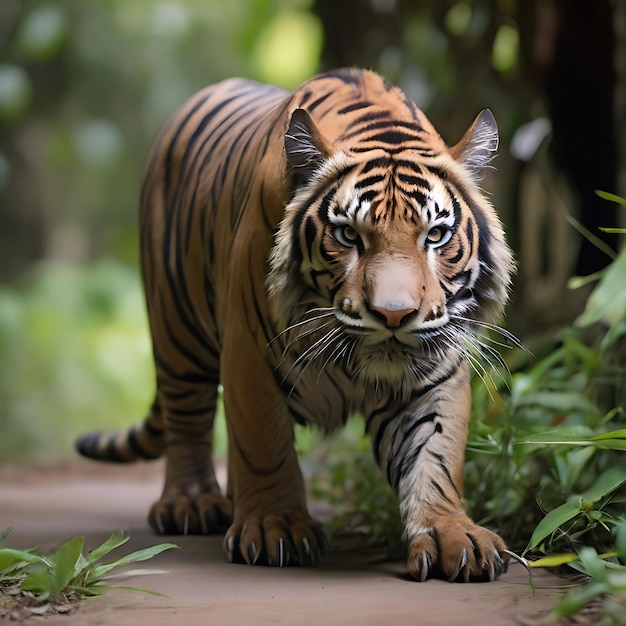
(479, 144)
(305, 147)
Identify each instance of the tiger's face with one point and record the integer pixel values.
(386, 260)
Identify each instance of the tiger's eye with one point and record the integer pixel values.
(435, 235)
(346, 235)
(438, 235)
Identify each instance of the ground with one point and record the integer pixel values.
(46, 506)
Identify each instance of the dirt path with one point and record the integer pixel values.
(48, 506)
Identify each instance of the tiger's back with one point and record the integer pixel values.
(318, 254)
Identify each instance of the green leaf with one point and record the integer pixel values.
(611, 197)
(5, 533)
(153, 593)
(41, 583)
(10, 558)
(606, 483)
(615, 231)
(139, 555)
(615, 434)
(577, 599)
(592, 564)
(554, 560)
(117, 539)
(615, 440)
(607, 302)
(620, 539)
(552, 521)
(65, 562)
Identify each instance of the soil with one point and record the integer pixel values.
(46, 506)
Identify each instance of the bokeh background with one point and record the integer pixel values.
(86, 85)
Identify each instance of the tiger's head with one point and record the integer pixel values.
(388, 255)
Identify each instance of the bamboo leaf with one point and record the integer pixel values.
(611, 197)
(607, 302)
(615, 434)
(606, 483)
(552, 521)
(554, 560)
(620, 539)
(577, 599)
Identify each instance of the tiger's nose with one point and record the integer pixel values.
(392, 319)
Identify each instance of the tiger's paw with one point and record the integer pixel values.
(206, 514)
(457, 549)
(279, 540)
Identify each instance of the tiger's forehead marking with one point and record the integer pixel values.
(404, 191)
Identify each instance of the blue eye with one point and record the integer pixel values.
(438, 236)
(346, 235)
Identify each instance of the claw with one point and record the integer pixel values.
(306, 546)
(281, 552)
(462, 564)
(504, 564)
(497, 565)
(252, 554)
(230, 548)
(159, 522)
(425, 569)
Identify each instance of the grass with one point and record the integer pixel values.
(35, 583)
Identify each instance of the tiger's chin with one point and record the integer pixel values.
(401, 366)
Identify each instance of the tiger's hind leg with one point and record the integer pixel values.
(192, 501)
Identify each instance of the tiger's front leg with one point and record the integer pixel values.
(423, 449)
(271, 525)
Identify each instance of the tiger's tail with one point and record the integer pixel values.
(141, 442)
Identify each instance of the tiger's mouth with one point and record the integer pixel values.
(373, 333)
(402, 344)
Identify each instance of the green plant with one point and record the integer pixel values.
(606, 578)
(29, 578)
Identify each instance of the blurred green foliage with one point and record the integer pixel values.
(84, 88)
(74, 353)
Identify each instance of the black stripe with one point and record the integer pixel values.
(445, 470)
(438, 487)
(311, 107)
(112, 454)
(179, 130)
(355, 106)
(369, 180)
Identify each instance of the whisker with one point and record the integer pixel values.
(487, 353)
(493, 327)
(329, 312)
(315, 350)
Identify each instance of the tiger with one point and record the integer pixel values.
(314, 255)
